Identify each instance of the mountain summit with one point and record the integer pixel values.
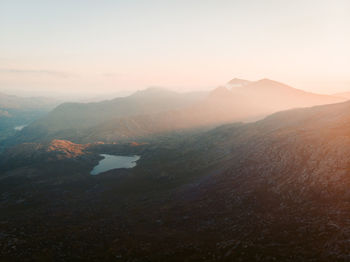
(235, 82)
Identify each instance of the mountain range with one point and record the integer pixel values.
(155, 111)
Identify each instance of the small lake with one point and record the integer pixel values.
(19, 128)
(110, 162)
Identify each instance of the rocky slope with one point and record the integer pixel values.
(280, 194)
(272, 190)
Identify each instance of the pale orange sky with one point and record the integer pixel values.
(94, 47)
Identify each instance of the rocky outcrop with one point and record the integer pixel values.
(66, 148)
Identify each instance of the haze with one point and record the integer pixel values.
(94, 47)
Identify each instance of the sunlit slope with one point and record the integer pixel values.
(284, 190)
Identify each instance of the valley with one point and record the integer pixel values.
(17, 112)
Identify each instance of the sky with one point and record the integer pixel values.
(98, 46)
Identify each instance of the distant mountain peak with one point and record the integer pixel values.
(267, 81)
(268, 85)
(238, 82)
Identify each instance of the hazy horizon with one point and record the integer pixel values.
(73, 48)
(78, 96)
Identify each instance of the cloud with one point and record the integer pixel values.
(36, 72)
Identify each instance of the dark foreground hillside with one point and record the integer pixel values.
(273, 190)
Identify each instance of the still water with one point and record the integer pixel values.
(113, 162)
(19, 128)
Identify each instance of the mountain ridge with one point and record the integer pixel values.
(154, 111)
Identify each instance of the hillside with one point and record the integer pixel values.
(275, 189)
